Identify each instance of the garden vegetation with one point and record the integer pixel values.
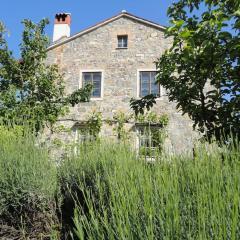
(103, 189)
(106, 191)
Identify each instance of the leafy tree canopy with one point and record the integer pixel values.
(31, 90)
(201, 71)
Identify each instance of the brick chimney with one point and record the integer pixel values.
(61, 26)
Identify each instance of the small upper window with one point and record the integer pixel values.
(122, 41)
(94, 78)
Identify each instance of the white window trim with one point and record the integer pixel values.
(137, 146)
(102, 82)
(138, 81)
(122, 35)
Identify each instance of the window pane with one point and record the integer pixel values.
(144, 93)
(119, 43)
(155, 89)
(145, 76)
(122, 41)
(95, 79)
(154, 86)
(96, 92)
(84, 136)
(145, 83)
(97, 84)
(87, 78)
(148, 143)
(125, 41)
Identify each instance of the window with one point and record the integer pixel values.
(83, 137)
(147, 84)
(123, 41)
(149, 140)
(94, 78)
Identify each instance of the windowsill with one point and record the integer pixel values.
(119, 48)
(159, 98)
(96, 99)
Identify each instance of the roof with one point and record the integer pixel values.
(109, 20)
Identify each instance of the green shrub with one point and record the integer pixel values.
(28, 183)
(86, 170)
(108, 193)
(178, 198)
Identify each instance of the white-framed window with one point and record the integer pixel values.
(83, 137)
(147, 83)
(149, 140)
(95, 78)
(122, 41)
(83, 134)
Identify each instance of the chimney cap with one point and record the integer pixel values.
(63, 18)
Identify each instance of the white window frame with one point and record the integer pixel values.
(137, 146)
(122, 35)
(102, 82)
(138, 82)
(76, 138)
(77, 134)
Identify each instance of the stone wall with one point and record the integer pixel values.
(97, 50)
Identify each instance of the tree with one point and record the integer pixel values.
(201, 71)
(31, 90)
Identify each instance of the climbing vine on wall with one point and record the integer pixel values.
(120, 119)
(93, 124)
(152, 118)
(153, 131)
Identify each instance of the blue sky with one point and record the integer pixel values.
(84, 13)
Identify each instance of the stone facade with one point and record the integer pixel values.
(96, 50)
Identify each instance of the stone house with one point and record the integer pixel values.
(118, 57)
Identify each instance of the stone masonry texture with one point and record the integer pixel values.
(97, 51)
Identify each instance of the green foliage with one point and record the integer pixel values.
(94, 124)
(153, 129)
(120, 119)
(80, 95)
(89, 166)
(140, 105)
(61, 128)
(156, 137)
(106, 187)
(201, 69)
(30, 89)
(177, 198)
(28, 184)
(152, 118)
